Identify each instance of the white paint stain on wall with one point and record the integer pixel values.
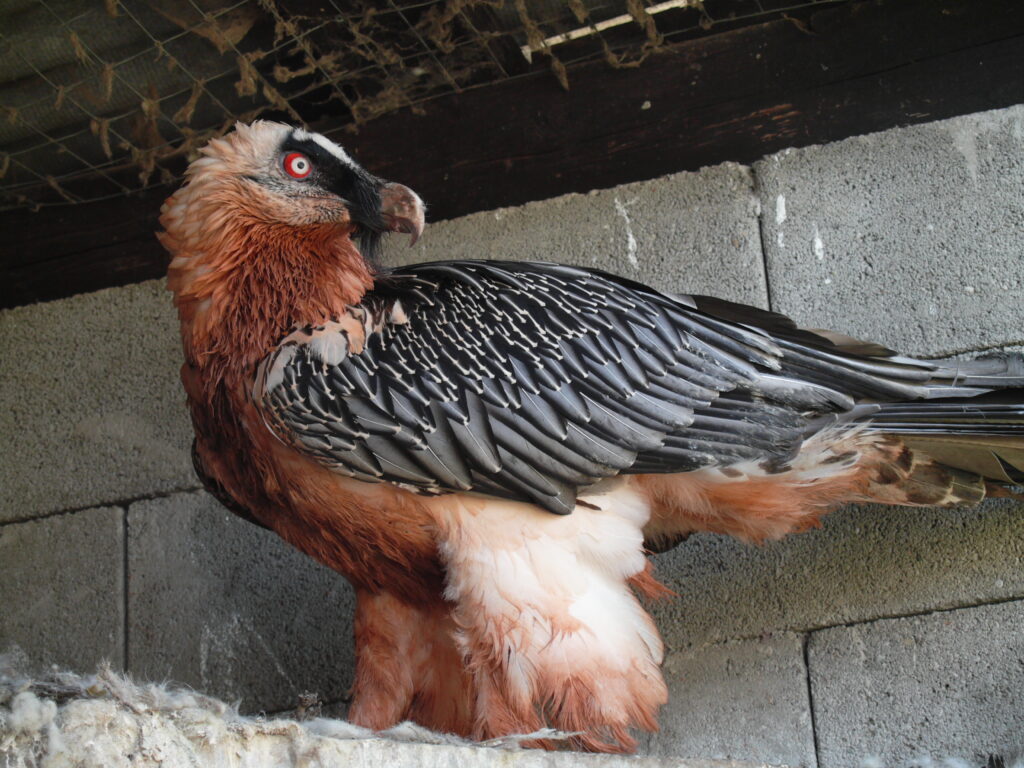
(966, 144)
(621, 209)
(817, 244)
(780, 218)
(220, 644)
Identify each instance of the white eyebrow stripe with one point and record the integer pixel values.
(326, 143)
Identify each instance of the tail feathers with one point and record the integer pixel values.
(998, 458)
(968, 435)
(952, 429)
(982, 435)
(1003, 372)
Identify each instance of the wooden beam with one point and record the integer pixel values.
(843, 71)
(848, 70)
(64, 250)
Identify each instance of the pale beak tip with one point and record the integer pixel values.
(411, 226)
(403, 211)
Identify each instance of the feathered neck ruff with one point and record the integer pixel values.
(241, 279)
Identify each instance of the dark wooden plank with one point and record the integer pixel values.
(725, 97)
(122, 263)
(66, 250)
(66, 230)
(863, 67)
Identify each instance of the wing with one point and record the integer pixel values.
(214, 487)
(532, 381)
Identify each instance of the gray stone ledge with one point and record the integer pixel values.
(91, 408)
(684, 233)
(740, 701)
(911, 237)
(865, 562)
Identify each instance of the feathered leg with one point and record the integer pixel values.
(549, 627)
(932, 466)
(408, 667)
(757, 501)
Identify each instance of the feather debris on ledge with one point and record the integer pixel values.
(65, 719)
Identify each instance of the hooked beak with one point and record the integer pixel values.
(402, 210)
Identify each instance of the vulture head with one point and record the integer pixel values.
(273, 221)
(290, 176)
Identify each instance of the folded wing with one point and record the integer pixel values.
(532, 381)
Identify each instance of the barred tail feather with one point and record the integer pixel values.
(970, 445)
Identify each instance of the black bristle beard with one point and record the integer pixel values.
(369, 241)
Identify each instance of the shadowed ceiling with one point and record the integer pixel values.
(102, 98)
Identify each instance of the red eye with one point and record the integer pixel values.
(297, 165)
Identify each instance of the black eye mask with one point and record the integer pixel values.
(358, 188)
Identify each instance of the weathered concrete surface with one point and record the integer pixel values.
(865, 562)
(62, 589)
(738, 701)
(911, 237)
(227, 607)
(685, 233)
(91, 410)
(943, 685)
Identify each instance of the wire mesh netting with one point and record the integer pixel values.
(100, 98)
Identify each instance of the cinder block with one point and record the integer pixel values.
(684, 233)
(737, 701)
(91, 409)
(911, 237)
(865, 562)
(231, 609)
(944, 685)
(62, 589)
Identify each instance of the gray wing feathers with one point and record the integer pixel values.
(532, 381)
(529, 382)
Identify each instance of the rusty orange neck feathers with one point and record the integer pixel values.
(240, 287)
(261, 235)
(242, 274)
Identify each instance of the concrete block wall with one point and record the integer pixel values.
(888, 632)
